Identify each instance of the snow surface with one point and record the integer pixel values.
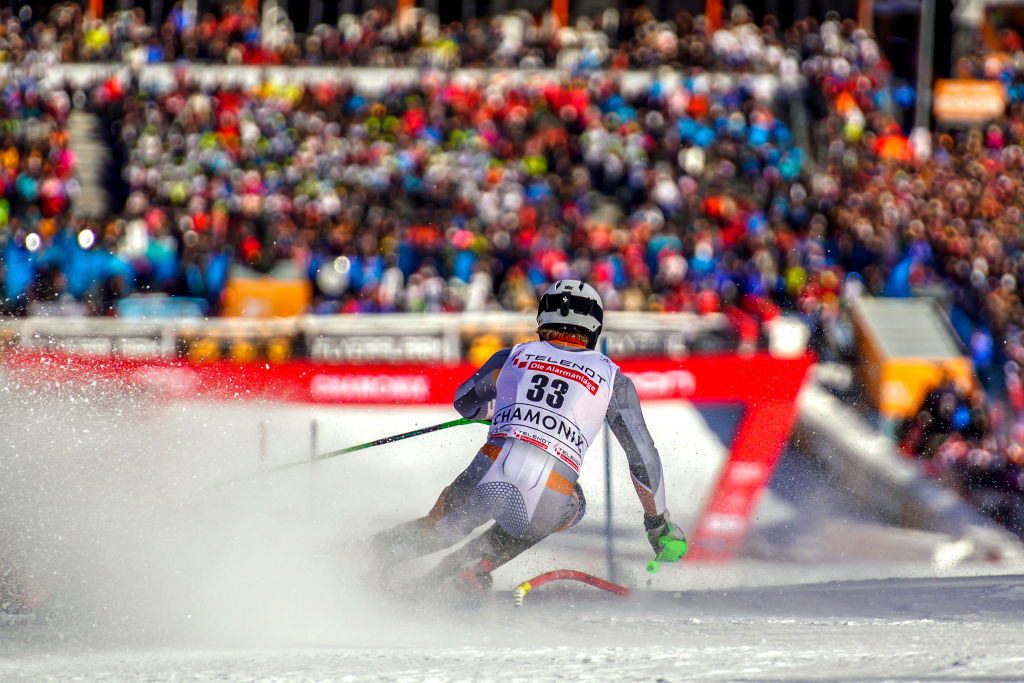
(147, 570)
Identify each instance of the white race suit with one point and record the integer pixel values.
(546, 401)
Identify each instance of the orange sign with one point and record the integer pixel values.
(968, 101)
(905, 382)
(266, 297)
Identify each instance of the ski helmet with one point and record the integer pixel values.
(572, 305)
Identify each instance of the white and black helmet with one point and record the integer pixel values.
(572, 305)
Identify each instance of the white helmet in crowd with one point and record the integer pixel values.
(572, 305)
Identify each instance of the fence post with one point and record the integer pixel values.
(313, 445)
(261, 431)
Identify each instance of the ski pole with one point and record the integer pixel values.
(394, 437)
(672, 550)
(359, 447)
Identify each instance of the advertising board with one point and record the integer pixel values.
(763, 386)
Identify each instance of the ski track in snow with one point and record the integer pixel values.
(962, 628)
(149, 574)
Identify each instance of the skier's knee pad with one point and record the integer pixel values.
(438, 510)
(581, 508)
(578, 509)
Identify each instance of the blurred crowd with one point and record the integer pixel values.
(448, 195)
(236, 34)
(975, 445)
(685, 194)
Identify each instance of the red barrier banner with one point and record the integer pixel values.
(765, 386)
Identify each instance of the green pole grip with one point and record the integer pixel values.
(672, 550)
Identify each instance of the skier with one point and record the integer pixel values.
(546, 401)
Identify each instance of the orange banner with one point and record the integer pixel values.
(968, 101)
(560, 11)
(266, 297)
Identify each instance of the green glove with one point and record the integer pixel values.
(668, 540)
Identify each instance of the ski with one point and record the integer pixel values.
(566, 574)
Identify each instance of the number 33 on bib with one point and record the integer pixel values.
(553, 398)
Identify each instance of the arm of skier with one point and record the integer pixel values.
(626, 420)
(474, 399)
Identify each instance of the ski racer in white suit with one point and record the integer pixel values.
(546, 401)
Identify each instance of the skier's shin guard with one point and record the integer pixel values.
(475, 561)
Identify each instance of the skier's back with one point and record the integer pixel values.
(546, 401)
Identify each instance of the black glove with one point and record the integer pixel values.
(661, 530)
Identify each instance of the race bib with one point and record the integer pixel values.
(553, 398)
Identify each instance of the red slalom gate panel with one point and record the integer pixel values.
(765, 386)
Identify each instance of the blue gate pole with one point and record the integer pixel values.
(608, 529)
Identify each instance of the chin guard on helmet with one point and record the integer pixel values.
(572, 305)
